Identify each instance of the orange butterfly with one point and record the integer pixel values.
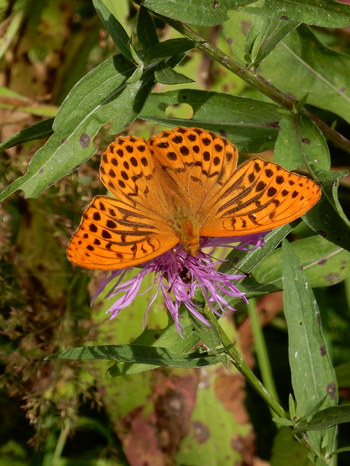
(179, 186)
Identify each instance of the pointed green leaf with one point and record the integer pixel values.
(328, 217)
(323, 262)
(146, 30)
(300, 142)
(325, 13)
(167, 337)
(248, 260)
(166, 75)
(115, 29)
(200, 12)
(313, 377)
(150, 355)
(330, 183)
(99, 97)
(250, 124)
(40, 130)
(307, 66)
(325, 419)
(282, 421)
(267, 31)
(167, 49)
(245, 261)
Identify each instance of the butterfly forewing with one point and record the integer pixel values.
(195, 164)
(128, 171)
(113, 236)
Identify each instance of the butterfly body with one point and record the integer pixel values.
(179, 186)
(187, 229)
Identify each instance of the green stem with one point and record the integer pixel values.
(257, 81)
(243, 368)
(15, 23)
(61, 442)
(261, 350)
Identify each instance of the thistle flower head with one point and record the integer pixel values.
(178, 276)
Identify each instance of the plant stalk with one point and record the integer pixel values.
(261, 350)
(245, 370)
(257, 81)
(242, 366)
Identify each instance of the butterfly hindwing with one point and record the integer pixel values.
(259, 197)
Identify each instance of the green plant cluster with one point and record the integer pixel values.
(272, 77)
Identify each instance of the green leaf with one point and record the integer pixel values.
(167, 337)
(245, 261)
(167, 49)
(14, 101)
(287, 450)
(213, 426)
(235, 32)
(209, 336)
(38, 131)
(325, 13)
(200, 12)
(250, 124)
(130, 103)
(99, 97)
(313, 377)
(282, 421)
(146, 30)
(323, 263)
(327, 217)
(115, 29)
(300, 142)
(330, 183)
(141, 354)
(268, 31)
(307, 66)
(325, 419)
(343, 375)
(166, 75)
(291, 405)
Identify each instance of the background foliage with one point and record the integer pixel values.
(272, 77)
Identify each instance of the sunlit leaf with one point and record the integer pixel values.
(313, 377)
(37, 131)
(307, 67)
(251, 125)
(325, 13)
(300, 142)
(267, 31)
(101, 96)
(146, 30)
(115, 29)
(325, 418)
(201, 12)
(323, 263)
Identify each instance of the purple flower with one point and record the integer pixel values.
(178, 275)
